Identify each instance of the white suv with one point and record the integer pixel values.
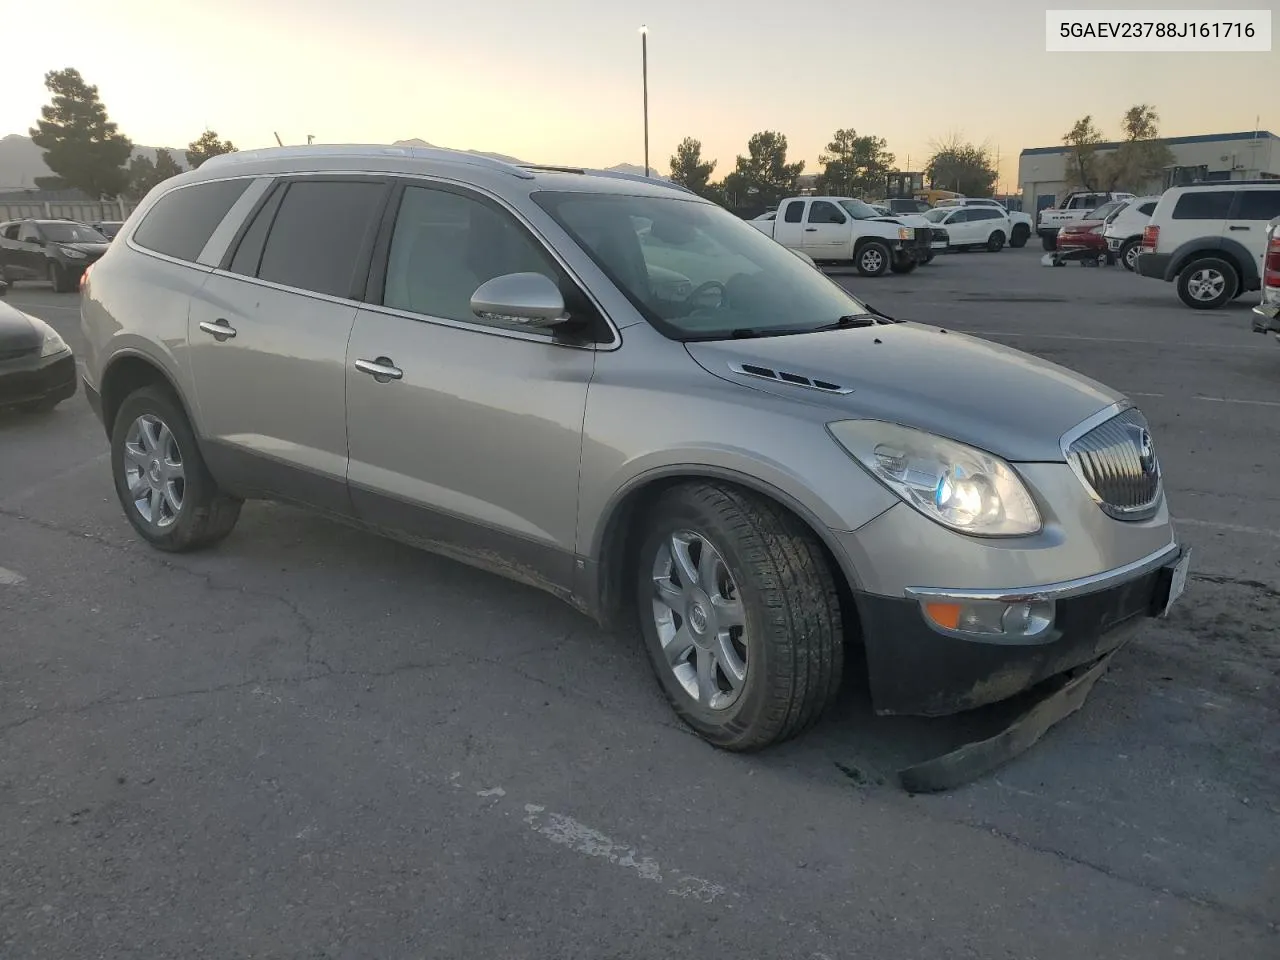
(1210, 238)
(1020, 224)
(1123, 231)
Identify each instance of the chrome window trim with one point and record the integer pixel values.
(1081, 429)
(1054, 591)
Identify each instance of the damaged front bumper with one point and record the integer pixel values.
(918, 668)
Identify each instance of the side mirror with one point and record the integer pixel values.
(528, 299)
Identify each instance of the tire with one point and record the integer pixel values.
(204, 514)
(904, 266)
(59, 278)
(872, 259)
(1019, 235)
(1049, 242)
(1207, 283)
(1129, 255)
(789, 644)
(995, 242)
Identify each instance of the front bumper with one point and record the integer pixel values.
(37, 379)
(919, 670)
(1266, 318)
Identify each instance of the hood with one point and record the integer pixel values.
(92, 249)
(989, 396)
(17, 332)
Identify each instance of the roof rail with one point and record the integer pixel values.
(369, 152)
(1262, 181)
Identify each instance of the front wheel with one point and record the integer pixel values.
(161, 479)
(1207, 284)
(740, 615)
(873, 259)
(1019, 238)
(995, 242)
(1049, 241)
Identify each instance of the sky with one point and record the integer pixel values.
(559, 81)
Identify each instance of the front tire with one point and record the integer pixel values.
(1049, 241)
(1207, 283)
(995, 242)
(740, 616)
(59, 278)
(161, 479)
(873, 259)
(1019, 238)
(1129, 254)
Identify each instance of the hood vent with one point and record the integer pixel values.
(781, 376)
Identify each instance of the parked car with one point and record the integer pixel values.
(469, 355)
(1073, 207)
(108, 228)
(53, 250)
(1123, 230)
(843, 230)
(902, 205)
(1083, 238)
(1266, 315)
(1020, 224)
(937, 236)
(971, 227)
(1210, 239)
(37, 368)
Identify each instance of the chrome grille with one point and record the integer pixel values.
(1117, 462)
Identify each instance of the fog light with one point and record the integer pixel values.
(1026, 618)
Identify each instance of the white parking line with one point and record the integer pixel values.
(1228, 527)
(1259, 403)
(1068, 336)
(9, 578)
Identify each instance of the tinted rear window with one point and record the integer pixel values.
(1203, 205)
(181, 222)
(319, 234)
(1258, 205)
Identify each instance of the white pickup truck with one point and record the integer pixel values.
(844, 230)
(1074, 206)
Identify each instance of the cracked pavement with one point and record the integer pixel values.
(310, 742)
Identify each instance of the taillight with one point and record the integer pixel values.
(1150, 237)
(1271, 270)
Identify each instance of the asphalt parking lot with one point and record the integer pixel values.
(310, 742)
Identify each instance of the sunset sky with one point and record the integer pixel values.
(559, 81)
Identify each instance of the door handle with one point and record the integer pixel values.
(1239, 228)
(810, 229)
(381, 369)
(219, 329)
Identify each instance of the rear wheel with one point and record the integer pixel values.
(1129, 254)
(160, 477)
(872, 259)
(1018, 239)
(1207, 283)
(58, 277)
(740, 615)
(1049, 241)
(995, 242)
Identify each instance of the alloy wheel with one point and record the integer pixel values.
(1206, 284)
(154, 473)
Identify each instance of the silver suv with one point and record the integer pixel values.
(620, 393)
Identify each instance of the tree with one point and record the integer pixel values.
(1142, 156)
(854, 165)
(689, 169)
(1083, 139)
(763, 176)
(143, 174)
(957, 164)
(81, 146)
(205, 146)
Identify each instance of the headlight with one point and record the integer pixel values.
(905, 233)
(53, 344)
(968, 490)
(71, 253)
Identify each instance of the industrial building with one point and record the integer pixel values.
(1044, 172)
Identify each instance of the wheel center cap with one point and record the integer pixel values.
(153, 471)
(698, 618)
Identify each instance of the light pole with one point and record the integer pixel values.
(644, 74)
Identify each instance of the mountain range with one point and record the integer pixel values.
(21, 161)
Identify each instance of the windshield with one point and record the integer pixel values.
(694, 270)
(71, 233)
(1120, 207)
(1104, 211)
(859, 210)
(937, 214)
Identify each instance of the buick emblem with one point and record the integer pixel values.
(1146, 452)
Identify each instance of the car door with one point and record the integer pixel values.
(826, 232)
(959, 229)
(9, 250)
(29, 257)
(788, 227)
(268, 339)
(464, 434)
(1253, 209)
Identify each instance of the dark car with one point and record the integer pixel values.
(108, 228)
(53, 250)
(37, 368)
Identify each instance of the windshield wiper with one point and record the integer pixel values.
(849, 322)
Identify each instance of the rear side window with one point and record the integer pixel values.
(321, 235)
(1203, 205)
(10, 232)
(1148, 208)
(181, 222)
(795, 210)
(1258, 205)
